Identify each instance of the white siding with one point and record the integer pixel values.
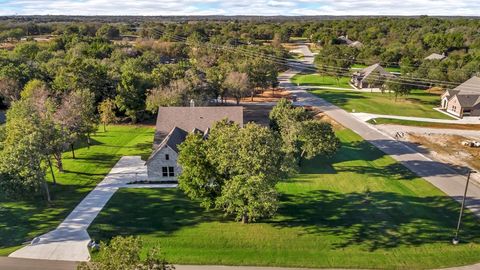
(158, 161)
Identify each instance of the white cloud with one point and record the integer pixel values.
(241, 7)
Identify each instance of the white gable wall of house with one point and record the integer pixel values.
(163, 165)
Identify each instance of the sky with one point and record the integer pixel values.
(241, 7)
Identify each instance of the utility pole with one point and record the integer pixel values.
(455, 239)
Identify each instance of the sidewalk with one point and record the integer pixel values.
(68, 242)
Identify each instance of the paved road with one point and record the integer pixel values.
(7, 263)
(69, 240)
(30, 264)
(440, 175)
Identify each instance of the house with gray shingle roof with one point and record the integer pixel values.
(464, 100)
(172, 128)
(375, 72)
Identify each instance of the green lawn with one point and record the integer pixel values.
(418, 103)
(326, 219)
(21, 221)
(321, 80)
(388, 121)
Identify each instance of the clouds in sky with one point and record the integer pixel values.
(241, 7)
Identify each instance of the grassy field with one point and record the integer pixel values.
(359, 209)
(21, 221)
(321, 80)
(388, 121)
(418, 103)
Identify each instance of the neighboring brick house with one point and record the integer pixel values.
(464, 100)
(173, 126)
(375, 72)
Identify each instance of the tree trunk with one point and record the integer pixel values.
(51, 170)
(47, 192)
(251, 95)
(244, 219)
(73, 150)
(88, 141)
(58, 158)
(104, 127)
(238, 100)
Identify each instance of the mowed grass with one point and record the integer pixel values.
(359, 209)
(321, 80)
(21, 221)
(418, 103)
(388, 121)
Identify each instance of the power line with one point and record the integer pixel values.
(289, 63)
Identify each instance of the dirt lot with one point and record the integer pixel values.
(448, 149)
(266, 96)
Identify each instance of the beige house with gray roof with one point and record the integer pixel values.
(375, 72)
(464, 100)
(172, 128)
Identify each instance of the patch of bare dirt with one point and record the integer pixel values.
(319, 115)
(268, 96)
(449, 149)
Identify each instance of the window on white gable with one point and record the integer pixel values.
(167, 157)
(165, 171)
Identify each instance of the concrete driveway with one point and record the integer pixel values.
(68, 242)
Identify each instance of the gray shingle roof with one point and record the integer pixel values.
(471, 86)
(190, 118)
(467, 101)
(373, 68)
(468, 93)
(173, 140)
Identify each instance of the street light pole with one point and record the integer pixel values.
(455, 239)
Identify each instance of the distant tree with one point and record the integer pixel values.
(132, 89)
(106, 109)
(77, 116)
(277, 40)
(9, 89)
(53, 137)
(335, 60)
(237, 85)
(398, 87)
(124, 253)
(174, 94)
(108, 31)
